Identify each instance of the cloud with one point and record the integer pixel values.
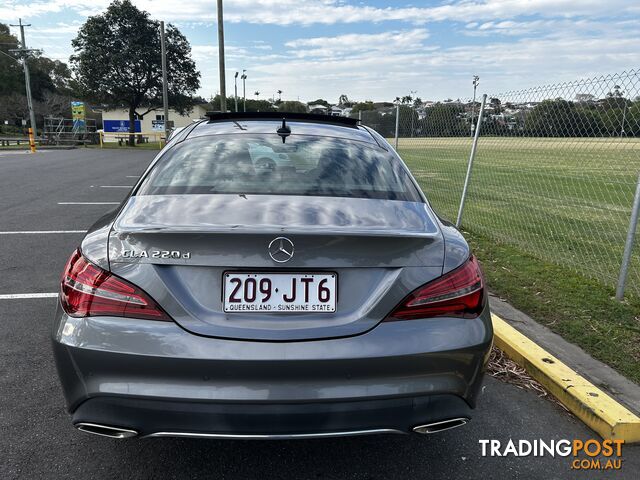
(356, 43)
(447, 72)
(509, 43)
(59, 29)
(329, 12)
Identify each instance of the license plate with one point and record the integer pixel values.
(280, 292)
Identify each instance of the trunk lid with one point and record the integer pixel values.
(378, 248)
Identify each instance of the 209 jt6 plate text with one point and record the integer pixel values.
(280, 292)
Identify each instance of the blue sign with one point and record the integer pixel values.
(119, 126)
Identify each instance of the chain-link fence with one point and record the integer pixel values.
(555, 170)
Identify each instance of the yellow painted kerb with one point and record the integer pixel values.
(586, 401)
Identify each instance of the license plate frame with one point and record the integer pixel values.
(282, 279)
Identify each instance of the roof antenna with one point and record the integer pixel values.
(284, 131)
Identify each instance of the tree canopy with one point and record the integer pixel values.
(320, 101)
(11, 76)
(52, 85)
(363, 106)
(252, 104)
(117, 61)
(292, 106)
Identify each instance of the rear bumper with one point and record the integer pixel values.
(154, 377)
(160, 418)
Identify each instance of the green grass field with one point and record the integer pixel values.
(549, 219)
(567, 201)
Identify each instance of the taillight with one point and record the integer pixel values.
(459, 293)
(88, 290)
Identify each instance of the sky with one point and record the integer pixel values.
(374, 49)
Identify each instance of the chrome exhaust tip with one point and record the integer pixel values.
(105, 430)
(441, 426)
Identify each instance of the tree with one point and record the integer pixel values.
(408, 120)
(496, 104)
(363, 106)
(252, 105)
(344, 101)
(445, 120)
(292, 106)
(117, 61)
(11, 76)
(259, 106)
(562, 118)
(50, 79)
(320, 101)
(615, 99)
(47, 76)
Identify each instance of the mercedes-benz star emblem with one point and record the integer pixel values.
(281, 249)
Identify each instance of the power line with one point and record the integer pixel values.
(7, 55)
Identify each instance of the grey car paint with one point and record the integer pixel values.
(381, 250)
(398, 358)
(378, 248)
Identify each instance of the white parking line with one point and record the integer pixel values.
(16, 296)
(88, 203)
(116, 186)
(133, 176)
(40, 232)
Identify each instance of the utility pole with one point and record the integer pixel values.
(165, 88)
(235, 90)
(476, 81)
(244, 90)
(413, 110)
(24, 54)
(223, 89)
(624, 116)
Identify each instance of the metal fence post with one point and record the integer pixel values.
(397, 125)
(471, 157)
(628, 247)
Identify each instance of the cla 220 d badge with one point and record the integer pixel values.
(155, 254)
(281, 249)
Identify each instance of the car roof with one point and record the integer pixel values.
(266, 123)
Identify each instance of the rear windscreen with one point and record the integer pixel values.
(262, 164)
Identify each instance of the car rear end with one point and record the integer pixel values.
(318, 299)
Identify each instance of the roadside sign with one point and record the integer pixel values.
(78, 115)
(120, 126)
(157, 125)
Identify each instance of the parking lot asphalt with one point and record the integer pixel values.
(65, 191)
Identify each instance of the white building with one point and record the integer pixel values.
(118, 119)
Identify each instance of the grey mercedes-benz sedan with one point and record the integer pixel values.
(272, 276)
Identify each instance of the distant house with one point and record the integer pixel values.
(318, 109)
(585, 98)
